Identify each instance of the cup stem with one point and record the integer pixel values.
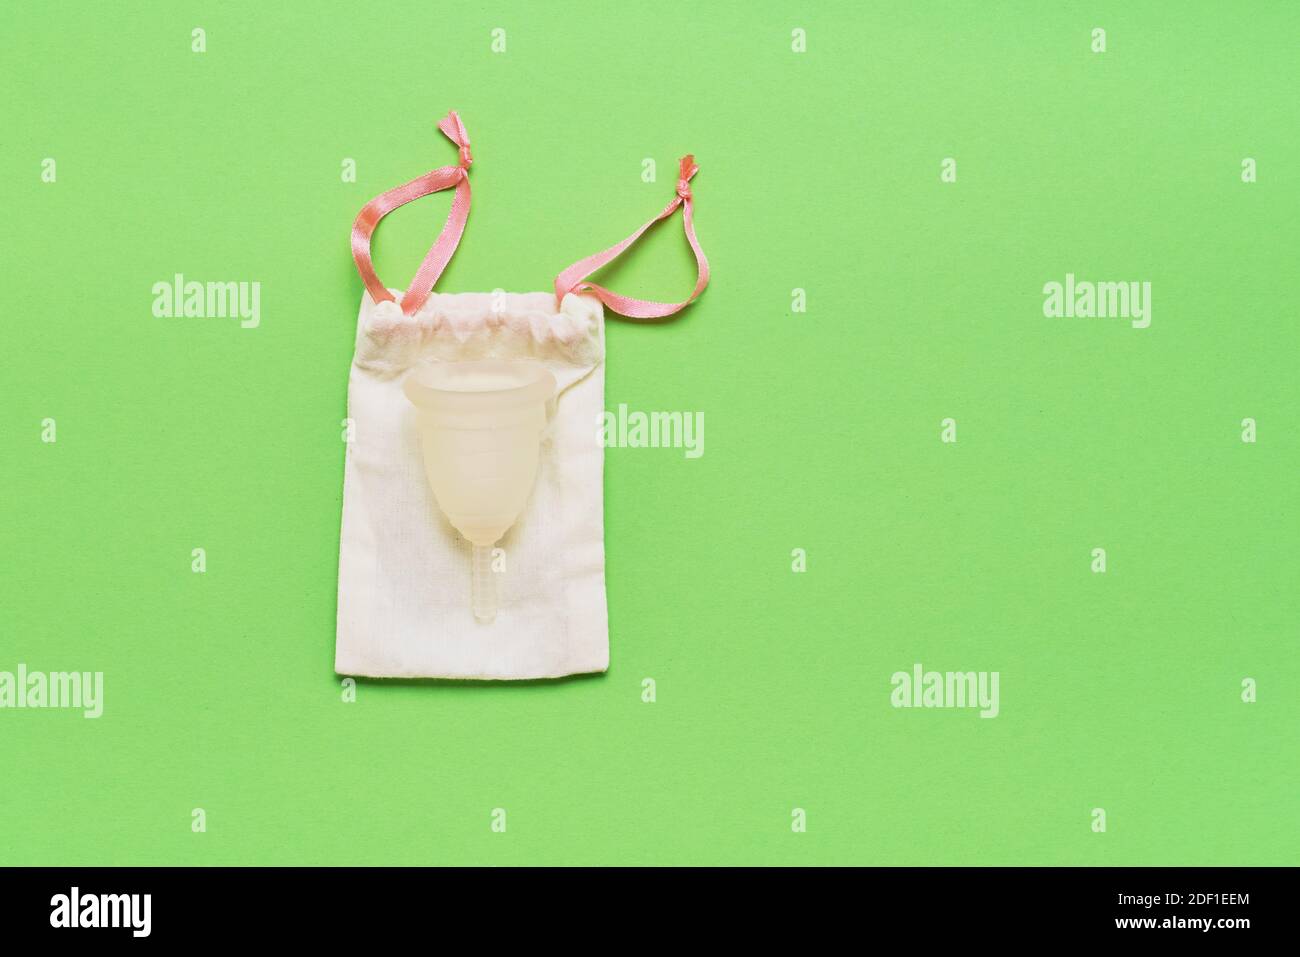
(483, 594)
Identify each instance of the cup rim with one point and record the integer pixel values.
(426, 385)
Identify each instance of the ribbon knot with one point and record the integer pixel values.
(454, 130)
(686, 170)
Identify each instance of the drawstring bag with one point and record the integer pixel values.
(404, 571)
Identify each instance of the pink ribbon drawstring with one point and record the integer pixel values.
(445, 177)
(574, 279)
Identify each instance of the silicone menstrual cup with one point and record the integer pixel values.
(480, 424)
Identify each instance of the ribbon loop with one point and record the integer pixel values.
(574, 279)
(440, 253)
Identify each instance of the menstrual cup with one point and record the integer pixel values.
(480, 425)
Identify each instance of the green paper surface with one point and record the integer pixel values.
(822, 171)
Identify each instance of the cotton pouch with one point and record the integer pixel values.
(404, 571)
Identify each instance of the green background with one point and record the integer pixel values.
(819, 171)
